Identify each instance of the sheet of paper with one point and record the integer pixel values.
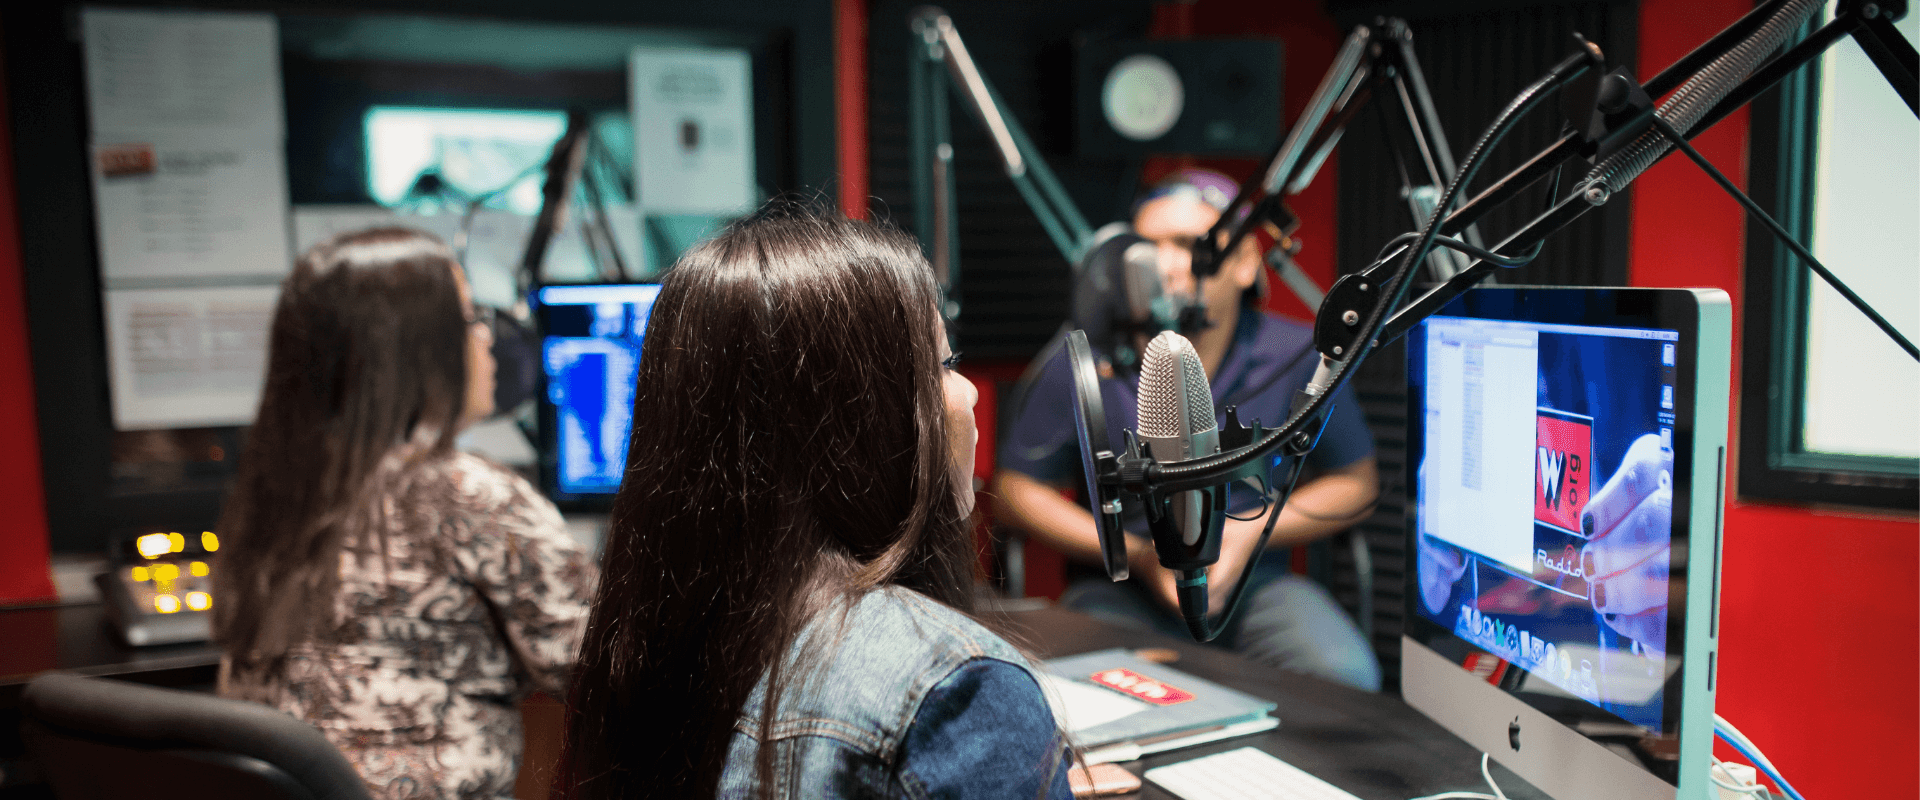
(625, 223)
(155, 72)
(313, 224)
(693, 130)
(1081, 706)
(187, 357)
(188, 208)
(498, 241)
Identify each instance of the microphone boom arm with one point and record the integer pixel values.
(1231, 464)
(938, 62)
(1374, 60)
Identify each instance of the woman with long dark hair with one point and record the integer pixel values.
(783, 607)
(399, 594)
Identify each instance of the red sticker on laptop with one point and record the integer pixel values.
(1121, 679)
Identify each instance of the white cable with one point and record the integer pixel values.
(1484, 773)
(1745, 741)
(1752, 750)
(1746, 747)
(1486, 760)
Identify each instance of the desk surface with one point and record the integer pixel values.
(1374, 746)
(78, 639)
(1371, 745)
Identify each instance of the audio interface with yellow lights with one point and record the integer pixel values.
(162, 592)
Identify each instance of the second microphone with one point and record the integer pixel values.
(1176, 423)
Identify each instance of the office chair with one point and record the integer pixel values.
(95, 738)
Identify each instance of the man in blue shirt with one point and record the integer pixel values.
(1256, 362)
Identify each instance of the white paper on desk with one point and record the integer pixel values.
(693, 130)
(154, 72)
(1079, 706)
(189, 207)
(187, 357)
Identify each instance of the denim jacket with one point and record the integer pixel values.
(909, 699)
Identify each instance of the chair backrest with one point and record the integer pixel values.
(95, 738)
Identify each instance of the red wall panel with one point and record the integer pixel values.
(850, 103)
(24, 576)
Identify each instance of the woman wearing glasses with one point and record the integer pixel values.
(399, 594)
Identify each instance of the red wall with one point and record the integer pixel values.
(850, 104)
(1820, 612)
(24, 576)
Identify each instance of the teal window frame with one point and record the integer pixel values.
(1774, 464)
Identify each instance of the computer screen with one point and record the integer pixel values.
(590, 356)
(1555, 441)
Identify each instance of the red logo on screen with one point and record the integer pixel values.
(1563, 458)
(122, 160)
(1141, 686)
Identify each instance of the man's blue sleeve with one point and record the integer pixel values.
(985, 732)
(1040, 443)
(1346, 438)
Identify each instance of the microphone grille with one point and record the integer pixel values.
(1175, 399)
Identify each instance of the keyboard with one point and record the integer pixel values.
(1243, 774)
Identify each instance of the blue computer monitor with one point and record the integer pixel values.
(590, 355)
(1565, 467)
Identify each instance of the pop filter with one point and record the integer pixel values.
(1090, 422)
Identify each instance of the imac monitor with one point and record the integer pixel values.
(590, 354)
(1565, 472)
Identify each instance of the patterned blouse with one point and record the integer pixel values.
(479, 600)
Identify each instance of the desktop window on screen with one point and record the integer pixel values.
(1545, 502)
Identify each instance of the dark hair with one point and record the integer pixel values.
(789, 451)
(367, 351)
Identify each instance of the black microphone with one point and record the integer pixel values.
(1176, 423)
(1119, 298)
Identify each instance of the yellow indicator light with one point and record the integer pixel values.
(166, 603)
(199, 601)
(198, 569)
(209, 541)
(166, 572)
(153, 545)
(176, 542)
(139, 575)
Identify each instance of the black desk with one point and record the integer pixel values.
(1374, 746)
(1371, 745)
(78, 639)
